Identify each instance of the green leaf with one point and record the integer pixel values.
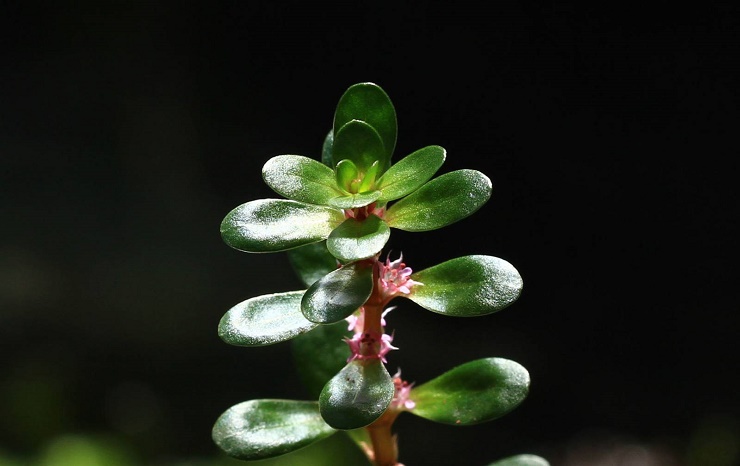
(346, 174)
(358, 239)
(409, 173)
(312, 261)
(522, 460)
(440, 202)
(358, 395)
(320, 354)
(474, 392)
(467, 286)
(271, 225)
(369, 103)
(326, 150)
(352, 201)
(265, 320)
(260, 429)
(360, 143)
(301, 179)
(338, 294)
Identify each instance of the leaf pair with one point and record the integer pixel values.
(472, 393)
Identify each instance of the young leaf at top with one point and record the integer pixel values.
(272, 225)
(440, 202)
(474, 392)
(359, 142)
(320, 354)
(369, 103)
(467, 286)
(338, 294)
(259, 429)
(301, 179)
(412, 171)
(265, 320)
(522, 460)
(312, 261)
(357, 395)
(358, 239)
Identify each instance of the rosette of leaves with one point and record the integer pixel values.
(354, 195)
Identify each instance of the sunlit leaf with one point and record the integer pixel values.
(358, 239)
(301, 179)
(467, 286)
(369, 103)
(271, 225)
(474, 392)
(359, 142)
(358, 395)
(320, 354)
(312, 262)
(522, 460)
(260, 429)
(440, 202)
(338, 294)
(265, 320)
(409, 173)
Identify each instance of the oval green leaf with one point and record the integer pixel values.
(369, 102)
(409, 173)
(522, 460)
(312, 261)
(301, 179)
(338, 294)
(265, 320)
(358, 239)
(320, 354)
(467, 286)
(259, 429)
(474, 392)
(271, 225)
(345, 174)
(440, 202)
(356, 396)
(359, 142)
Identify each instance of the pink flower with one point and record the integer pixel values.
(393, 277)
(403, 390)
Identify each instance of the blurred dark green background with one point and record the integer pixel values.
(129, 129)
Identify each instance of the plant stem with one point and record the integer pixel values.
(385, 447)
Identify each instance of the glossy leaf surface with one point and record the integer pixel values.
(522, 460)
(320, 354)
(467, 286)
(440, 202)
(474, 392)
(359, 142)
(312, 261)
(369, 102)
(358, 239)
(337, 295)
(409, 173)
(271, 225)
(260, 429)
(265, 320)
(301, 179)
(357, 395)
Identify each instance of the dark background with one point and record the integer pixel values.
(128, 130)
